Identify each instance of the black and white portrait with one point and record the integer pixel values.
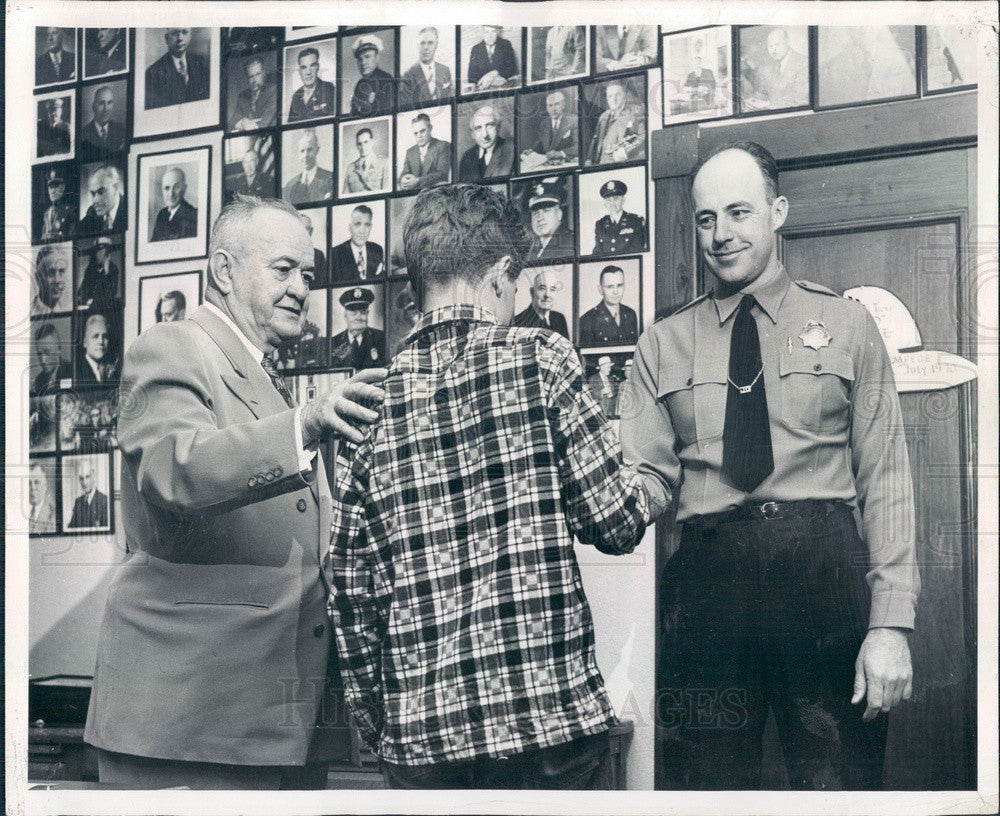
(167, 298)
(54, 202)
(368, 66)
(614, 120)
(51, 355)
(864, 64)
(613, 212)
(99, 338)
(610, 298)
(402, 314)
(558, 52)
(103, 119)
(52, 281)
(549, 133)
(43, 496)
(105, 51)
(548, 207)
(86, 493)
(55, 126)
(307, 164)
(244, 41)
(951, 58)
(423, 148)
(399, 209)
(605, 373)
(426, 65)
(697, 74)
(365, 157)
(484, 136)
(251, 92)
(55, 55)
(314, 220)
(773, 67)
(42, 424)
(545, 297)
(491, 57)
(310, 81)
(625, 47)
(103, 206)
(173, 206)
(248, 166)
(295, 33)
(313, 346)
(100, 265)
(357, 240)
(87, 420)
(357, 326)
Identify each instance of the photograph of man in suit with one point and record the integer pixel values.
(618, 231)
(312, 183)
(224, 455)
(321, 277)
(257, 104)
(90, 510)
(491, 155)
(359, 345)
(251, 181)
(620, 134)
(104, 51)
(53, 280)
(610, 322)
(540, 313)
(179, 75)
(426, 80)
(53, 133)
(604, 384)
(95, 360)
(565, 51)
(177, 218)
(551, 234)
(42, 515)
(103, 133)
(358, 258)
(428, 161)
(783, 80)
(558, 142)
(369, 172)
(700, 86)
(59, 217)
(171, 306)
(107, 212)
(492, 61)
(99, 284)
(620, 47)
(373, 91)
(55, 63)
(50, 368)
(315, 97)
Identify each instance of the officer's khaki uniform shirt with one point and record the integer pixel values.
(836, 427)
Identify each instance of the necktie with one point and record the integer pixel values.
(361, 264)
(102, 132)
(482, 164)
(56, 63)
(183, 68)
(747, 458)
(277, 381)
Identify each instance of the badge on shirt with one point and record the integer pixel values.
(815, 335)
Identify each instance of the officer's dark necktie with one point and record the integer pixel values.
(277, 380)
(747, 458)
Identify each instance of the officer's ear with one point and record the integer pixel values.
(220, 270)
(779, 212)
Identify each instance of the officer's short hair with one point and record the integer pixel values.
(765, 161)
(421, 117)
(362, 132)
(307, 52)
(609, 270)
(364, 209)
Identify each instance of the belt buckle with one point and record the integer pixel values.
(770, 510)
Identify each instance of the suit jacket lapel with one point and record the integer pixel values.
(239, 381)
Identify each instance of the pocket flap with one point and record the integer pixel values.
(825, 361)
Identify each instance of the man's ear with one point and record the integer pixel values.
(220, 268)
(779, 212)
(498, 274)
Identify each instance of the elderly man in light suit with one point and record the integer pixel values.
(213, 656)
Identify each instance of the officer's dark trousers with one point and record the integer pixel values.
(757, 615)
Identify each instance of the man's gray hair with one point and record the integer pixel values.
(229, 229)
(111, 172)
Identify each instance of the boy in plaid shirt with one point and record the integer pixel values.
(466, 641)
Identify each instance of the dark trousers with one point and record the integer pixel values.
(580, 764)
(762, 615)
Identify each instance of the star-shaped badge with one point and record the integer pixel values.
(815, 335)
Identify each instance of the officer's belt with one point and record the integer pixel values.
(768, 511)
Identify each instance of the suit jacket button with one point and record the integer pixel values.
(319, 630)
(269, 476)
(277, 472)
(301, 504)
(252, 481)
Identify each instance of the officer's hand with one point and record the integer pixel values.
(340, 409)
(882, 671)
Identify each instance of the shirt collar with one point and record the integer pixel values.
(255, 353)
(460, 312)
(768, 290)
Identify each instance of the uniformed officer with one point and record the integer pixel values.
(373, 92)
(767, 408)
(60, 216)
(618, 232)
(610, 322)
(359, 346)
(551, 236)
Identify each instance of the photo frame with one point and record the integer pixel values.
(605, 372)
(248, 165)
(475, 120)
(87, 420)
(104, 119)
(99, 345)
(169, 297)
(371, 173)
(614, 51)
(548, 129)
(313, 347)
(401, 314)
(427, 65)
(557, 52)
(55, 126)
(315, 220)
(87, 492)
(103, 199)
(857, 65)
(614, 120)
(51, 367)
(238, 40)
(313, 62)
(42, 511)
(307, 174)
(358, 227)
(251, 91)
(372, 93)
(357, 309)
(54, 201)
(106, 51)
(595, 325)
(772, 68)
(612, 212)
(697, 75)
(545, 297)
(43, 424)
(100, 265)
(949, 56)
(548, 207)
(52, 280)
(413, 172)
(56, 50)
(399, 209)
(173, 206)
(491, 58)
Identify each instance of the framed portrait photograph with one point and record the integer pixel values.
(548, 206)
(625, 47)
(859, 64)
(177, 80)
(366, 157)
(87, 493)
(426, 65)
(401, 314)
(100, 266)
(55, 126)
(99, 337)
(103, 207)
(558, 52)
(549, 129)
(105, 51)
(42, 424)
(604, 373)
(54, 201)
(166, 298)
(485, 138)
(52, 280)
(55, 56)
(357, 238)
(310, 81)
(51, 367)
(368, 73)
(357, 326)
(545, 297)
(294, 33)
(315, 219)
(423, 148)
(610, 303)
(950, 59)
(172, 212)
(87, 420)
(399, 210)
(613, 213)
(773, 66)
(307, 164)
(251, 91)
(697, 75)
(42, 512)
(490, 57)
(614, 120)
(250, 40)
(103, 120)
(312, 348)
(248, 164)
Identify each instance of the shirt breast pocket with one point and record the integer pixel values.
(816, 389)
(697, 404)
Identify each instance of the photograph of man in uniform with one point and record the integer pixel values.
(552, 134)
(374, 89)
(54, 63)
(427, 162)
(58, 219)
(54, 134)
(104, 133)
(370, 171)
(357, 258)
(179, 75)
(244, 171)
(177, 218)
(610, 322)
(99, 283)
(107, 211)
(315, 97)
(427, 79)
(90, 508)
(359, 345)
(621, 47)
(256, 105)
(549, 216)
(492, 61)
(618, 232)
(619, 134)
(492, 155)
(310, 182)
(41, 498)
(541, 312)
(104, 51)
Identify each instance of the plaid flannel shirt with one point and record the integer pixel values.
(460, 615)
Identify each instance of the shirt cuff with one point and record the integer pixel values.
(892, 609)
(306, 456)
